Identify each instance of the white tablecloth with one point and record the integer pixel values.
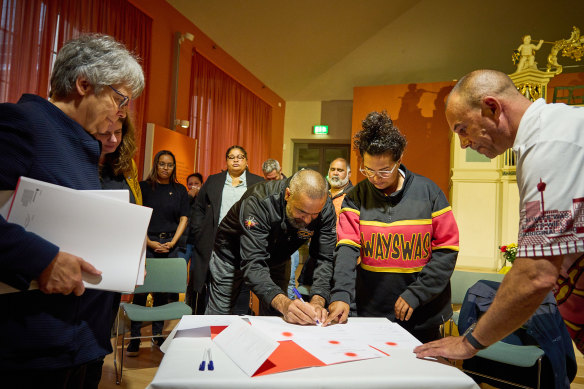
(180, 369)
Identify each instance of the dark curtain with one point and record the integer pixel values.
(225, 113)
(32, 31)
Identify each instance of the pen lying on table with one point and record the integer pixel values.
(210, 365)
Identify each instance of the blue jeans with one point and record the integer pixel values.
(187, 253)
(294, 259)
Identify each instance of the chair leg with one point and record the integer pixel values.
(118, 378)
(122, 353)
(539, 360)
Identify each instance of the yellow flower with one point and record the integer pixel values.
(509, 252)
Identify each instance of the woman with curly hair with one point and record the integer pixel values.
(116, 166)
(402, 226)
(117, 169)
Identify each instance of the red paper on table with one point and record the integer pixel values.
(288, 356)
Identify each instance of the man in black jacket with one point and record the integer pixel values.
(256, 238)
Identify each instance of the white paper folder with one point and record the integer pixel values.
(104, 231)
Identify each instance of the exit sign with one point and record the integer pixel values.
(320, 130)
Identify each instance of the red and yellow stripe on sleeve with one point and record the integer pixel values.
(348, 227)
(445, 230)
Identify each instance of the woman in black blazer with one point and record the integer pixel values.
(206, 218)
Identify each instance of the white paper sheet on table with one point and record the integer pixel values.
(278, 329)
(385, 336)
(196, 321)
(245, 345)
(107, 233)
(332, 344)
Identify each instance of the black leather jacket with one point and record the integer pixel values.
(255, 233)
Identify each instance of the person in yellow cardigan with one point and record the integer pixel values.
(117, 168)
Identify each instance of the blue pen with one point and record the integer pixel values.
(203, 362)
(210, 365)
(297, 293)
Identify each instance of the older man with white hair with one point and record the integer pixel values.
(338, 179)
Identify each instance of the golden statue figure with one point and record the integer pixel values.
(525, 53)
(573, 47)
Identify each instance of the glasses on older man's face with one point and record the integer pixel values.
(163, 165)
(370, 173)
(240, 157)
(124, 99)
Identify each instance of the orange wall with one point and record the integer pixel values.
(165, 22)
(418, 111)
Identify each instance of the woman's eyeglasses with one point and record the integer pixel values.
(125, 99)
(370, 173)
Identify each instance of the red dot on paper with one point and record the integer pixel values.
(334, 342)
(351, 354)
(287, 334)
(391, 343)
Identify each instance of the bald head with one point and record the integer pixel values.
(310, 183)
(485, 109)
(305, 197)
(472, 88)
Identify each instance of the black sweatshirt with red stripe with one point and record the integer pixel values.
(408, 244)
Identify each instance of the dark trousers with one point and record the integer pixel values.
(158, 299)
(85, 376)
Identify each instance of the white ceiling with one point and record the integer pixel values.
(318, 50)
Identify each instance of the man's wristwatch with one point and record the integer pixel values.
(471, 339)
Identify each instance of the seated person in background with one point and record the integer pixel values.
(402, 226)
(256, 238)
(272, 170)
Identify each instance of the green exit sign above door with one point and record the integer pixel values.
(320, 130)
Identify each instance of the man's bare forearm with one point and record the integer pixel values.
(521, 292)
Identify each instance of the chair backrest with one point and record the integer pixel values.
(164, 275)
(461, 281)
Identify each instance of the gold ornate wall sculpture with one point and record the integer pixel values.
(572, 47)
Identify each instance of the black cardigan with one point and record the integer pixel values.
(205, 222)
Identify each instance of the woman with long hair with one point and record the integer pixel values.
(117, 169)
(170, 210)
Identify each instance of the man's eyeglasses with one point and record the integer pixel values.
(240, 157)
(125, 99)
(381, 173)
(163, 165)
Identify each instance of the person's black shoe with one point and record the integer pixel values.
(133, 348)
(157, 341)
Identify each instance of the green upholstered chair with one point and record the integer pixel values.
(509, 362)
(162, 275)
(460, 282)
